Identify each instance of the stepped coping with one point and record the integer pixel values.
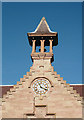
(14, 86)
(58, 75)
(63, 82)
(75, 92)
(65, 86)
(27, 73)
(75, 95)
(59, 79)
(3, 100)
(20, 83)
(12, 89)
(78, 95)
(79, 99)
(72, 91)
(30, 74)
(68, 85)
(48, 71)
(10, 93)
(55, 76)
(71, 88)
(33, 71)
(4, 95)
(52, 73)
(23, 80)
(25, 77)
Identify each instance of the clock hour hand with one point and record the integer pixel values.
(43, 88)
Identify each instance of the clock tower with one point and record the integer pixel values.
(42, 93)
(42, 59)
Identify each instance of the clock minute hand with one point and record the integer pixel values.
(39, 84)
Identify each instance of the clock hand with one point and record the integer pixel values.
(43, 87)
(39, 83)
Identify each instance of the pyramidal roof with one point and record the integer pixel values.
(43, 32)
(43, 27)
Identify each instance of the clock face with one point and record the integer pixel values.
(41, 86)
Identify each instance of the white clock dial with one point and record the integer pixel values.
(41, 86)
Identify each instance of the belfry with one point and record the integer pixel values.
(43, 36)
(42, 93)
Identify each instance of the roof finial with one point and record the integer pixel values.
(43, 18)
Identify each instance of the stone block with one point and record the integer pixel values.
(40, 102)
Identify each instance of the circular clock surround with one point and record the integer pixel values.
(41, 86)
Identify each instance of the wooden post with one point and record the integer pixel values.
(51, 46)
(33, 47)
(42, 45)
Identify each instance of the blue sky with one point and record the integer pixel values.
(18, 18)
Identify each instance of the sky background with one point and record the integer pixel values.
(18, 18)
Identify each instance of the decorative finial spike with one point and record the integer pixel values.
(43, 18)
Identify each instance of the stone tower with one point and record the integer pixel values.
(42, 93)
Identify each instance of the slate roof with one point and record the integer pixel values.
(43, 27)
(4, 89)
(43, 32)
(78, 88)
